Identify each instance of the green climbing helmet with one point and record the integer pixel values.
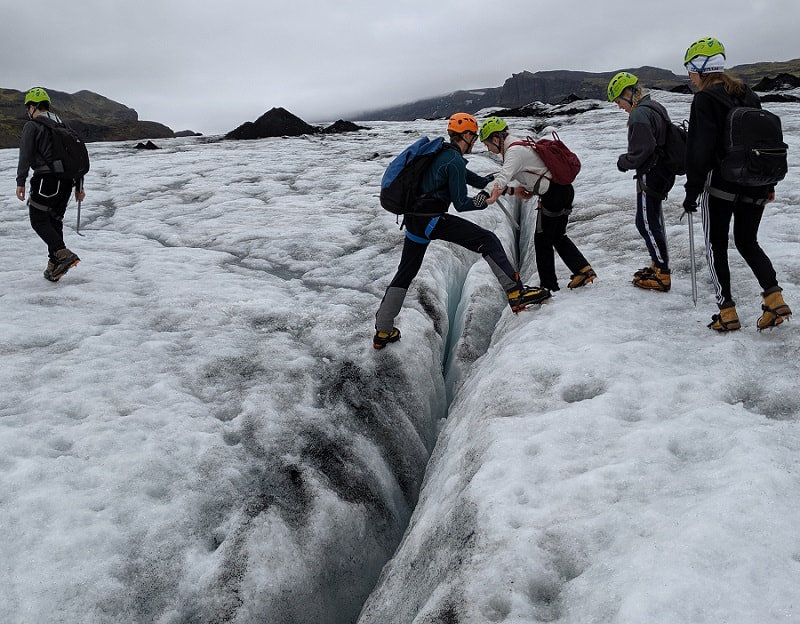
(492, 125)
(619, 83)
(703, 47)
(37, 95)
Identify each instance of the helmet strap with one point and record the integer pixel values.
(698, 70)
(499, 144)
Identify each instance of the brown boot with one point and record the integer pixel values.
(775, 309)
(644, 271)
(727, 319)
(585, 276)
(658, 279)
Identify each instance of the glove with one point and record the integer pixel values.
(690, 204)
(620, 167)
(479, 201)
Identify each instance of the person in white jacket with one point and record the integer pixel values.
(524, 166)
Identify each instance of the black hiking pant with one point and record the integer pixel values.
(47, 204)
(419, 232)
(717, 215)
(551, 235)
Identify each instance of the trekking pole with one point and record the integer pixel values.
(78, 226)
(508, 214)
(691, 258)
(79, 188)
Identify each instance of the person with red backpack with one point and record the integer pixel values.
(724, 199)
(648, 123)
(523, 165)
(444, 182)
(49, 193)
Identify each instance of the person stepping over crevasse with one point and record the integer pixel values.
(444, 182)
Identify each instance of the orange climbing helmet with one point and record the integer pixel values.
(462, 122)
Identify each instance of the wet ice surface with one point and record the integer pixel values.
(194, 426)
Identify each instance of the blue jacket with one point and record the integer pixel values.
(447, 178)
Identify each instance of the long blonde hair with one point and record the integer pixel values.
(733, 86)
(637, 95)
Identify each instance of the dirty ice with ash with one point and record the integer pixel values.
(194, 426)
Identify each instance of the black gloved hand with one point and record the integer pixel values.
(690, 204)
(479, 201)
(620, 167)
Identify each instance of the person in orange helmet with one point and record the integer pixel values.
(445, 181)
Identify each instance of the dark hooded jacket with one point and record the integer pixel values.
(704, 145)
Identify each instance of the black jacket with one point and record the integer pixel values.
(704, 145)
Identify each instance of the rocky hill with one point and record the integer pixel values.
(553, 87)
(96, 118)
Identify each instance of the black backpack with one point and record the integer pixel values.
(70, 158)
(672, 154)
(754, 151)
(400, 183)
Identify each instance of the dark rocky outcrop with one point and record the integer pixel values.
(779, 97)
(278, 122)
(275, 122)
(146, 146)
(342, 126)
(781, 82)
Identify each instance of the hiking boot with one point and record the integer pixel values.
(648, 270)
(727, 319)
(775, 309)
(63, 262)
(381, 339)
(527, 296)
(656, 279)
(48, 271)
(585, 276)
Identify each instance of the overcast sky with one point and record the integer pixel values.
(209, 67)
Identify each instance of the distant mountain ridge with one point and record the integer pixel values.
(554, 86)
(98, 118)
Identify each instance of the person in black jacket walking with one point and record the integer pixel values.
(445, 180)
(647, 130)
(721, 200)
(49, 194)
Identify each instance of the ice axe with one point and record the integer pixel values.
(691, 257)
(508, 214)
(78, 226)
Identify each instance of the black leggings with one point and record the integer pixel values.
(717, 215)
(551, 235)
(461, 232)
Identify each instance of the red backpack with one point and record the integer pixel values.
(563, 164)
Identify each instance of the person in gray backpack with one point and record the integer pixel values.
(648, 123)
(50, 193)
(723, 200)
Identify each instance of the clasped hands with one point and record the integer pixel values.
(514, 191)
